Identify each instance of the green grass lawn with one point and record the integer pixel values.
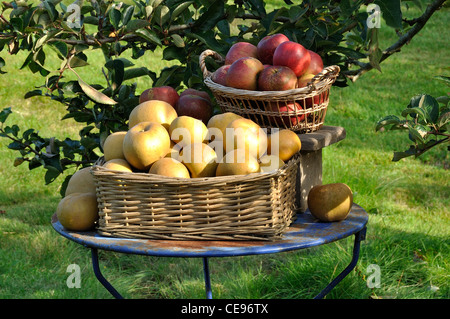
(408, 203)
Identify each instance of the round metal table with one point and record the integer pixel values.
(305, 232)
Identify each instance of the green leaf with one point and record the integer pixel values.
(136, 24)
(178, 40)
(444, 79)
(76, 62)
(426, 106)
(115, 16)
(391, 12)
(179, 9)
(444, 118)
(60, 48)
(2, 64)
(51, 174)
(117, 73)
(413, 112)
(431, 106)
(93, 94)
(4, 114)
(33, 93)
(161, 15)
(149, 36)
(213, 14)
(375, 52)
(138, 72)
(412, 151)
(126, 63)
(128, 15)
(418, 133)
(388, 120)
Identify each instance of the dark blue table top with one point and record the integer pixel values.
(305, 232)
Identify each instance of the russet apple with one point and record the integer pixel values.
(152, 111)
(277, 78)
(163, 93)
(291, 109)
(240, 50)
(194, 106)
(293, 55)
(316, 63)
(267, 45)
(220, 75)
(243, 73)
(145, 143)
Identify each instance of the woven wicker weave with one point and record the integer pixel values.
(263, 107)
(247, 207)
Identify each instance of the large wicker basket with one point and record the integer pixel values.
(257, 206)
(269, 108)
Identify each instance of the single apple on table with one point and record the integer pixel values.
(243, 73)
(163, 93)
(277, 78)
(293, 55)
(267, 45)
(240, 50)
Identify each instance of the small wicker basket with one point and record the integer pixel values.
(257, 206)
(301, 110)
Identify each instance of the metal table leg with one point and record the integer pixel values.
(359, 236)
(207, 278)
(98, 274)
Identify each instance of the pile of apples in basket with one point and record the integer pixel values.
(175, 134)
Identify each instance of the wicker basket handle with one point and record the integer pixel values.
(203, 57)
(328, 72)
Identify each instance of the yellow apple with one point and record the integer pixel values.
(200, 159)
(152, 111)
(245, 133)
(81, 181)
(185, 130)
(112, 147)
(145, 143)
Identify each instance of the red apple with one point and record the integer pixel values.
(162, 93)
(304, 80)
(266, 47)
(220, 75)
(316, 64)
(277, 78)
(293, 55)
(316, 100)
(292, 117)
(202, 94)
(194, 106)
(243, 73)
(240, 50)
